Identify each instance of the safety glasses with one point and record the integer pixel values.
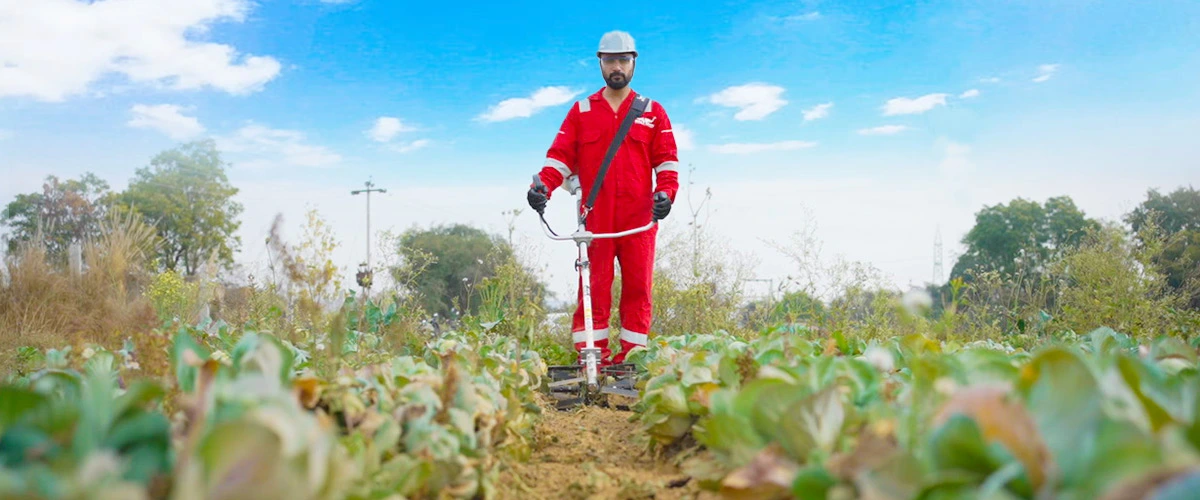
(623, 60)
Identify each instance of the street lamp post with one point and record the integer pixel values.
(364, 275)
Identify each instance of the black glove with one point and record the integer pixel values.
(662, 205)
(537, 195)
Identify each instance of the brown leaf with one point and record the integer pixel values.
(831, 348)
(876, 445)
(703, 393)
(769, 475)
(371, 423)
(308, 391)
(1003, 419)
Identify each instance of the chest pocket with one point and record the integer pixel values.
(640, 133)
(638, 142)
(591, 149)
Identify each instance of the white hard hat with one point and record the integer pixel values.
(617, 42)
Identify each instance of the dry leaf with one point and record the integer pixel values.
(1003, 419)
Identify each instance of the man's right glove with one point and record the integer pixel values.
(537, 195)
(662, 205)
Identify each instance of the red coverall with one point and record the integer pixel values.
(646, 163)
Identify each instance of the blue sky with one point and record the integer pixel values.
(883, 120)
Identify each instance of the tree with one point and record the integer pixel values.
(1022, 237)
(184, 192)
(64, 212)
(1176, 219)
(313, 277)
(451, 262)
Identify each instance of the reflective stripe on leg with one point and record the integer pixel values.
(597, 335)
(633, 337)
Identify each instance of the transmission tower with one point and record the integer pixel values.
(937, 257)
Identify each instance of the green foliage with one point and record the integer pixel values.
(797, 307)
(68, 433)
(1172, 222)
(914, 418)
(511, 299)
(244, 421)
(1109, 282)
(185, 193)
(255, 422)
(446, 266)
(698, 283)
(64, 212)
(313, 280)
(1022, 237)
(173, 297)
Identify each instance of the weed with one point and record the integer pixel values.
(50, 305)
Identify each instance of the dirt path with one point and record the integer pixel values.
(594, 453)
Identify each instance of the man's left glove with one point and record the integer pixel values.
(537, 195)
(662, 205)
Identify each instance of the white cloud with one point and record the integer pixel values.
(789, 21)
(907, 106)
(817, 112)
(969, 94)
(956, 160)
(387, 128)
(685, 140)
(991, 79)
(267, 148)
(66, 46)
(524, 107)
(166, 118)
(810, 16)
(883, 130)
(755, 101)
(738, 148)
(1045, 71)
(408, 147)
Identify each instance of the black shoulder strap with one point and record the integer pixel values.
(639, 106)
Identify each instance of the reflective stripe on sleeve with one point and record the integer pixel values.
(558, 165)
(585, 106)
(667, 166)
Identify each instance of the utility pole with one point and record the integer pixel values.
(366, 273)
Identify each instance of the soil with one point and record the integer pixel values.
(594, 452)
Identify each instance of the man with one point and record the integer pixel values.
(641, 181)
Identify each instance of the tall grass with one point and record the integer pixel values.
(50, 305)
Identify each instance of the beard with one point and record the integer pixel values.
(616, 80)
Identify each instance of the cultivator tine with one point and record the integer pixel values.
(568, 403)
(567, 382)
(569, 389)
(566, 386)
(619, 391)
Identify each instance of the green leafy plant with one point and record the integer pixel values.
(74, 434)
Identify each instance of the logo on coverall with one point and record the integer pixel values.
(645, 120)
